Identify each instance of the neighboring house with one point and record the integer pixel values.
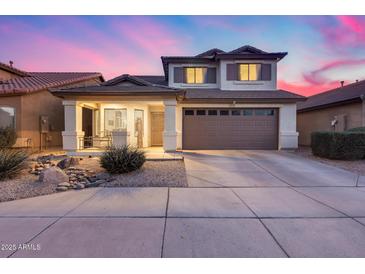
(334, 110)
(24, 99)
(214, 100)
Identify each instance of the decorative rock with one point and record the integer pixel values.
(80, 186)
(102, 176)
(65, 184)
(68, 163)
(53, 175)
(61, 188)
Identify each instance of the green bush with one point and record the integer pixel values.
(11, 162)
(357, 129)
(7, 137)
(124, 159)
(339, 145)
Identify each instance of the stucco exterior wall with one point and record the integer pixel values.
(184, 85)
(320, 120)
(15, 102)
(247, 85)
(222, 82)
(35, 105)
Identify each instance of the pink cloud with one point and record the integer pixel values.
(356, 24)
(42, 51)
(306, 89)
(344, 32)
(151, 36)
(316, 77)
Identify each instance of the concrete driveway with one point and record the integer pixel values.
(238, 204)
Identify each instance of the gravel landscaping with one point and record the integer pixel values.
(49, 176)
(353, 166)
(153, 174)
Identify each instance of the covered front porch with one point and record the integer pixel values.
(93, 125)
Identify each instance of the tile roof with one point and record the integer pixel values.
(247, 49)
(35, 81)
(337, 96)
(142, 88)
(13, 70)
(209, 53)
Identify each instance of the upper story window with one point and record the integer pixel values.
(195, 75)
(250, 72)
(7, 117)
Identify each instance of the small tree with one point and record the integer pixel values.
(7, 137)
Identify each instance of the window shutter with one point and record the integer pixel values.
(232, 72)
(211, 75)
(266, 72)
(178, 75)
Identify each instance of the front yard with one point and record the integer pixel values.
(87, 173)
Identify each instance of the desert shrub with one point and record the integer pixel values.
(338, 145)
(356, 129)
(7, 137)
(11, 162)
(124, 159)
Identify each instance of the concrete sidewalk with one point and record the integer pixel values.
(239, 204)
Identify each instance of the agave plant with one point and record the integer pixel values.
(11, 162)
(123, 159)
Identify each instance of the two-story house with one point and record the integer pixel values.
(213, 100)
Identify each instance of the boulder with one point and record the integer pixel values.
(68, 162)
(61, 188)
(102, 176)
(65, 184)
(80, 186)
(53, 175)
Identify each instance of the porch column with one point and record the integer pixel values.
(73, 125)
(170, 133)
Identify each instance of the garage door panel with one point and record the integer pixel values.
(231, 131)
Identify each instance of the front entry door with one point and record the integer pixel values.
(157, 128)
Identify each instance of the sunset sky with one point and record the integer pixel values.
(322, 50)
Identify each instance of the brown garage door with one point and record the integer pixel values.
(247, 128)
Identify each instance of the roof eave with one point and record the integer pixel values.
(333, 104)
(264, 56)
(242, 100)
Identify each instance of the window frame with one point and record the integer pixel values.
(259, 76)
(14, 126)
(121, 109)
(205, 75)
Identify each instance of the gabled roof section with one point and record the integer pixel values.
(127, 78)
(210, 53)
(36, 81)
(247, 49)
(12, 69)
(213, 55)
(354, 92)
